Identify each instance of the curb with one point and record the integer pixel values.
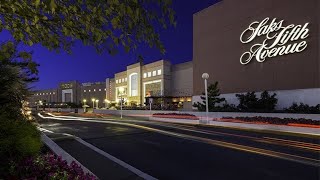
(60, 152)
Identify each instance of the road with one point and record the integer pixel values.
(172, 151)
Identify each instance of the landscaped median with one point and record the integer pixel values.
(301, 125)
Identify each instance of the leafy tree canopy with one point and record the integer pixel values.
(103, 24)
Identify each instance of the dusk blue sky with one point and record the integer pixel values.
(85, 65)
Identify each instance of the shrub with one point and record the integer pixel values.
(226, 108)
(47, 166)
(176, 116)
(18, 139)
(276, 120)
(303, 108)
(250, 103)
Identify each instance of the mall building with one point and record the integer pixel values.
(160, 82)
(72, 92)
(257, 45)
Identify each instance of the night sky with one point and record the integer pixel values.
(85, 65)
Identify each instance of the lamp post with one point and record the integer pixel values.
(97, 105)
(93, 100)
(106, 103)
(121, 89)
(205, 76)
(84, 105)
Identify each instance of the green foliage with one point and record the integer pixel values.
(267, 101)
(213, 98)
(16, 70)
(18, 139)
(250, 103)
(303, 108)
(105, 25)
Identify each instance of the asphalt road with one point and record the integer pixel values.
(171, 151)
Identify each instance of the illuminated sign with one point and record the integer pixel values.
(66, 86)
(279, 39)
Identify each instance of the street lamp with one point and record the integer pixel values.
(84, 105)
(97, 105)
(93, 100)
(106, 103)
(121, 90)
(205, 76)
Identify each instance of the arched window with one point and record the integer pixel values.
(133, 79)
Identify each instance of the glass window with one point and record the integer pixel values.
(89, 90)
(134, 85)
(84, 91)
(105, 89)
(126, 79)
(99, 89)
(54, 93)
(144, 75)
(117, 81)
(94, 90)
(154, 73)
(159, 72)
(149, 74)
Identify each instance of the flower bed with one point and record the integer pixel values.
(274, 120)
(47, 166)
(176, 116)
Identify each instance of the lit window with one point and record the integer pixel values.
(89, 90)
(117, 81)
(159, 72)
(144, 75)
(54, 93)
(122, 79)
(84, 91)
(126, 79)
(94, 90)
(149, 74)
(50, 93)
(47, 93)
(99, 89)
(105, 89)
(154, 73)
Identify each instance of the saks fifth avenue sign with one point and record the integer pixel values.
(279, 39)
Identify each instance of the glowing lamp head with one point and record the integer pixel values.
(205, 76)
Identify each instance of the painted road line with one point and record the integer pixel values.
(116, 160)
(60, 152)
(270, 153)
(107, 155)
(300, 145)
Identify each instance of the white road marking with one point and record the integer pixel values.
(109, 156)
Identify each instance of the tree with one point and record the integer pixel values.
(16, 70)
(213, 98)
(268, 102)
(104, 24)
(248, 101)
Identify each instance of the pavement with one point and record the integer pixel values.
(173, 151)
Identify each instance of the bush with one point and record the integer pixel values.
(18, 139)
(275, 120)
(250, 103)
(47, 166)
(303, 108)
(176, 116)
